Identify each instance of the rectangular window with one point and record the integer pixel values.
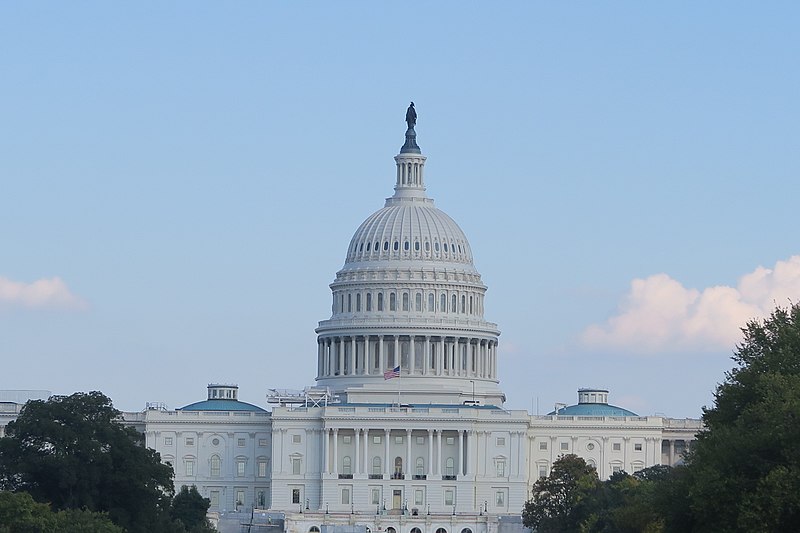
(420, 440)
(501, 468)
(564, 446)
(190, 441)
(418, 497)
(214, 499)
(295, 495)
(345, 496)
(241, 443)
(296, 439)
(376, 439)
(240, 497)
(542, 472)
(189, 468)
(500, 498)
(543, 445)
(376, 496)
(398, 440)
(262, 499)
(262, 442)
(449, 497)
(167, 441)
(296, 466)
(450, 440)
(616, 469)
(346, 439)
(501, 441)
(262, 469)
(637, 447)
(617, 446)
(240, 468)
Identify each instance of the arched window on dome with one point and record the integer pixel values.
(427, 246)
(341, 300)
(445, 247)
(349, 303)
(436, 246)
(358, 302)
(380, 301)
(386, 246)
(453, 304)
(369, 302)
(463, 304)
(396, 245)
(431, 302)
(405, 301)
(470, 304)
(368, 246)
(392, 302)
(406, 246)
(418, 302)
(443, 303)
(416, 246)
(361, 247)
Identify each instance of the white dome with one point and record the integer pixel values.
(407, 230)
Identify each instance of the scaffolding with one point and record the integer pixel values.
(308, 397)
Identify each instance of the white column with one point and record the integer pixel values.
(386, 452)
(335, 450)
(426, 360)
(353, 355)
(440, 356)
(326, 450)
(511, 461)
(357, 466)
(320, 358)
(671, 452)
(470, 451)
(429, 469)
(438, 451)
(408, 454)
(365, 467)
(381, 355)
(397, 358)
(460, 464)
(367, 359)
(412, 354)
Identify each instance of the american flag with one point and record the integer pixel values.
(393, 373)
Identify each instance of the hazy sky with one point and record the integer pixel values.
(179, 182)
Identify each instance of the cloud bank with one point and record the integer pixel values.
(50, 293)
(659, 314)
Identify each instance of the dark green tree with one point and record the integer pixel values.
(20, 513)
(72, 452)
(190, 507)
(564, 500)
(744, 471)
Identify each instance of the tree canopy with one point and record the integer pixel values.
(745, 469)
(190, 508)
(72, 452)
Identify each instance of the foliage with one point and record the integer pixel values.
(745, 470)
(564, 500)
(190, 508)
(72, 452)
(20, 513)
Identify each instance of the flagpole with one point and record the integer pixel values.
(399, 380)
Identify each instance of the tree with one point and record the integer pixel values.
(190, 508)
(72, 452)
(20, 513)
(744, 470)
(564, 500)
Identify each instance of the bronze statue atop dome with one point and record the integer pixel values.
(411, 116)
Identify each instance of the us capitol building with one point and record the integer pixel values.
(404, 430)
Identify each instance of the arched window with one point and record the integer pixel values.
(347, 465)
(431, 301)
(376, 465)
(380, 301)
(420, 469)
(369, 301)
(349, 303)
(358, 302)
(377, 246)
(463, 304)
(416, 530)
(398, 466)
(418, 302)
(445, 247)
(466, 530)
(441, 530)
(470, 305)
(454, 304)
(450, 467)
(391, 530)
(406, 246)
(392, 302)
(427, 246)
(216, 466)
(443, 303)
(313, 529)
(416, 246)
(368, 246)
(405, 301)
(396, 245)
(385, 246)
(436, 246)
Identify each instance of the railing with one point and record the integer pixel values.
(448, 478)
(420, 476)
(345, 476)
(376, 476)
(398, 475)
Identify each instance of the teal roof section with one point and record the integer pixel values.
(592, 409)
(222, 405)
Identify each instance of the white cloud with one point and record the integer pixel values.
(50, 293)
(659, 314)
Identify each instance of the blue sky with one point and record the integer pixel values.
(179, 183)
